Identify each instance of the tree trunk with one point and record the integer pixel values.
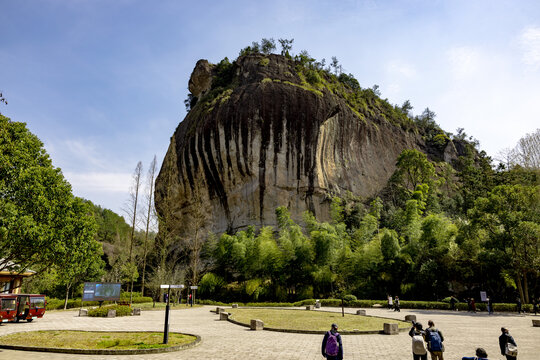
(525, 287)
(67, 296)
(520, 288)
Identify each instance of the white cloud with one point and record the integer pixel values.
(399, 68)
(99, 181)
(464, 61)
(530, 44)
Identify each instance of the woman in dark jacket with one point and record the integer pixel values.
(504, 340)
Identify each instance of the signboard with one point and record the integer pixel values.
(194, 287)
(172, 286)
(101, 291)
(483, 296)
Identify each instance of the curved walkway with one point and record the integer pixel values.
(463, 332)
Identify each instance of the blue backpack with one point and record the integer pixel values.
(435, 343)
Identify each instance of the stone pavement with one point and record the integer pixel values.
(463, 332)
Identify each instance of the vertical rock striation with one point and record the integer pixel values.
(259, 137)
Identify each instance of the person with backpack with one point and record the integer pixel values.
(418, 335)
(434, 340)
(508, 345)
(332, 347)
(481, 354)
(397, 304)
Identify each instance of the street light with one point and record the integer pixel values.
(167, 307)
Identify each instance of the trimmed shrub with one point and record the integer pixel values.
(121, 310)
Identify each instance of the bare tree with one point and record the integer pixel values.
(195, 233)
(526, 153)
(528, 150)
(150, 214)
(131, 211)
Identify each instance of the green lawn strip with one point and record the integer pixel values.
(68, 339)
(311, 320)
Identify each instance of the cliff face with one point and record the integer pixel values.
(266, 138)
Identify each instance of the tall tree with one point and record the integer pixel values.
(510, 215)
(40, 221)
(149, 213)
(194, 235)
(131, 211)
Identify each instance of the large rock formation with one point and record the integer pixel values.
(260, 136)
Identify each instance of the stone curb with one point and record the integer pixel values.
(105, 351)
(318, 332)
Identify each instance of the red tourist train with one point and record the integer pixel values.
(16, 307)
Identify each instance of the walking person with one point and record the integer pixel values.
(332, 347)
(469, 305)
(434, 340)
(508, 345)
(473, 305)
(390, 302)
(481, 354)
(490, 305)
(396, 304)
(453, 302)
(418, 335)
(518, 304)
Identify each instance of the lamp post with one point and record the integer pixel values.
(167, 308)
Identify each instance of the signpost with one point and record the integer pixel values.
(167, 307)
(193, 290)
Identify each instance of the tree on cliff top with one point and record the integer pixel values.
(41, 222)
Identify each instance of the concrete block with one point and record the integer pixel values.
(309, 307)
(235, 306)
(257, 324)
(361, 312)
(223, 315)
(111, 313)
(536, 323)
(391, 329)
(219, 310)
(410, 318)
(136, 311)
(83, 312)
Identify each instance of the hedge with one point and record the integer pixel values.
(121, 310)
(404, 304)
(53, 304)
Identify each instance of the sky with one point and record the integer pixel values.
(102, 82)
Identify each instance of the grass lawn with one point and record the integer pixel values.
(311, 320)
(68, 339)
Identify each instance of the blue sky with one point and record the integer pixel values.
(102, 82)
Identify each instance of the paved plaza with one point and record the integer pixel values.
(463, 332)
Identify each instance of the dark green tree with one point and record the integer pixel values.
(41, 222)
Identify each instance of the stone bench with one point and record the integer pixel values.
(83, 312)
(136, 311)
(235, 306)
(219, 310)
(224, 315)
(361, 312)
(256, 324)
(111, 313)
(391, 329)
(536, 323)
(309, 307)
(410, 318)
